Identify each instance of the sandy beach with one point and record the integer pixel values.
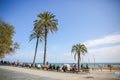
(52, 75)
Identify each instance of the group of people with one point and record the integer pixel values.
(59, 68)
(17, 63)
(85, 67)
(9, 63)
(67, 67)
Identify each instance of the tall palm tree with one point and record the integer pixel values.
(78, 49)
(39, 36)
(48, 23)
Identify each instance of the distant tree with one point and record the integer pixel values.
(77, 50)
(7, 46)
(39, 36)
(47, 22)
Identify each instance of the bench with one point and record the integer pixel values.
(85, 70)
(45, 67)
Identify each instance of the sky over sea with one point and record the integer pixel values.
(95, 23)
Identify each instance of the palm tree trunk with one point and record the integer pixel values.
(79, 62)
(35, 52)
(44, 62)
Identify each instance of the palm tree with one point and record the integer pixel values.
(48, 23)
(78, 49)
(39, 36)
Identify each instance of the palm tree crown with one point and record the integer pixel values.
(46, 20)
(36, 34)
(78, 49)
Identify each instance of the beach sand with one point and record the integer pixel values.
(35, 74)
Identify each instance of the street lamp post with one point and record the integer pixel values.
(94, 60)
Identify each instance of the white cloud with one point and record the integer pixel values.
(110, 39)
(106, 54)
(102, 54)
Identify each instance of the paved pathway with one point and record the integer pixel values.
(13, 75)
(16, 73)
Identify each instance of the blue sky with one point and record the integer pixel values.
(96, 23)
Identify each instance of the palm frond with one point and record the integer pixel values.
(47, 19)
(32, 36)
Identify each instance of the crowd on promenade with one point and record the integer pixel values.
(51, 67)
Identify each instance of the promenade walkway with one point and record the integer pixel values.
(18, 73)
